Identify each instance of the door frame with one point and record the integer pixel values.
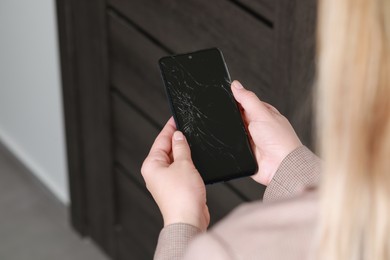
(84, 66)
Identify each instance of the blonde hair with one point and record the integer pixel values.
(354, 129)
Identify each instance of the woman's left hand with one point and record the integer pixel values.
(173, 180)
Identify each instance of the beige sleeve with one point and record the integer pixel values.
(208, 246)
(174, 240)
(298, 171)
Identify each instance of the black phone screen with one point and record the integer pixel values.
(204, 109)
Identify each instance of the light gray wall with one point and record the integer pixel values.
(31, 116)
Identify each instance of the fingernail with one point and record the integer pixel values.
(178, 136)
(237, 85)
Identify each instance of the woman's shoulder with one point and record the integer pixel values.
(279, 230)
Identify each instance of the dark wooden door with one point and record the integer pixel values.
(115, 103)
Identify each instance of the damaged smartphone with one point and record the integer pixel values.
(198, 89)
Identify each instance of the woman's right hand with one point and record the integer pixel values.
(272, 134)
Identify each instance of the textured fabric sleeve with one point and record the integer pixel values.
(297, 172)
(208, 246)
(173, 241)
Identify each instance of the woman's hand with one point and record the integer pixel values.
(173, 180)
(272, 135)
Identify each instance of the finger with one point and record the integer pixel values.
(254, 109)
(180, 148)
(162, 146)
(271, 107)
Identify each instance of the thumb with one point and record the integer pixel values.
(180, 148)
(254, 109)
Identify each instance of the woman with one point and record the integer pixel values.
(346, 215)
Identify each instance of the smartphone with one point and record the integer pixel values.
(198, 89)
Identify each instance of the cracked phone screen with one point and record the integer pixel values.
(204, 109)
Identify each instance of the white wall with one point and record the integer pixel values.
(31, 116)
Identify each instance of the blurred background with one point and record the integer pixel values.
(34, 189)
(81, 101)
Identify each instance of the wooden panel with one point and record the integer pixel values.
(220, 201)
(295, 25)
(248, 188)
(303, 62)
(126, 250)
(138, 217)
(294, 50)
(265, 8)
(89, 93)
(134, 70)
(70, 94)
(182, 26)
(133, 137)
